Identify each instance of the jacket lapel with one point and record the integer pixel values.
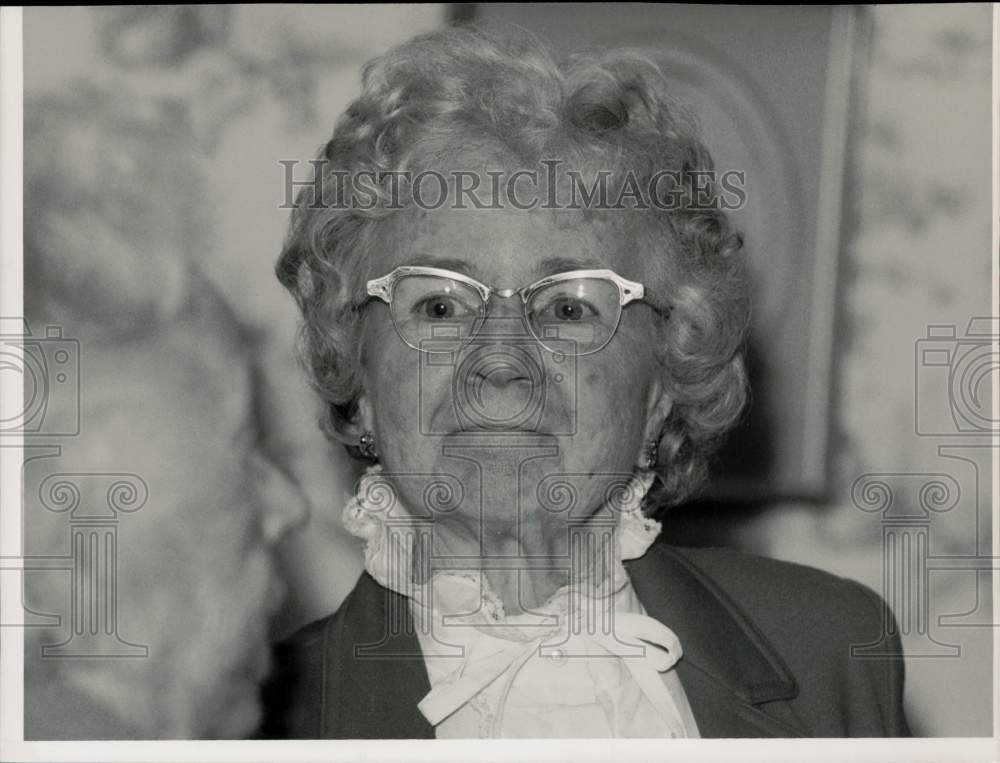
(729, 672)
(376, 675)
(734, 680)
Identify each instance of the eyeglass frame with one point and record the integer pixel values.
(628, 291)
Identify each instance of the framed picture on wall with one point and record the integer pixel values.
(769, 87)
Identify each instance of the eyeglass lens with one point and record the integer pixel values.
(573, 317)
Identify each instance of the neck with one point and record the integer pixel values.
(525, 568)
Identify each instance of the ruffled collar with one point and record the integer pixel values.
(390, 531)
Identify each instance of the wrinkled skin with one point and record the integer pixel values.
(593, 426)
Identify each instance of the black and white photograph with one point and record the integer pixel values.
(536, 381)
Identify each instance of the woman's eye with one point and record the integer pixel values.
(440, 308)
(567, 309)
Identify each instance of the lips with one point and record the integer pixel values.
(261, 664)
(276, 594)
(499, 443)
(500, 429)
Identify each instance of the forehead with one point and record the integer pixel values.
(190, 375)
(185, 388)
(507, 247)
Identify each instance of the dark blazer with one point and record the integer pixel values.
(767, 653)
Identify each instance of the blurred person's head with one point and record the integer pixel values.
(167, 394)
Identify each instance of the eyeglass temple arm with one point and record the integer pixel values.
(380, 288)
(636, 292)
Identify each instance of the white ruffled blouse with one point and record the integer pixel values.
(588, 663)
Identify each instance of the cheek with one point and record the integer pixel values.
(611, 398)
(394, 384)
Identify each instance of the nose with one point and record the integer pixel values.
(499, 384)
(502, 370)
(283, 505)
(505, 315)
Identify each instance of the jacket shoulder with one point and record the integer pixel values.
(838, 636)
(760, 583)
(357, 673)
(313, 636)
(292, 694)
(309, 636)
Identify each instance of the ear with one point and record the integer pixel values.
(659, 403)
(349, 432)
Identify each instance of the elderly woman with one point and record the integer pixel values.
(525, 314)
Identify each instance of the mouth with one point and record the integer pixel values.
(276, 595)
(481, 428)
(509, 439)
(261, 667)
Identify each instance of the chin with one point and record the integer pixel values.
(236, 711)
(230, 707)
(225, 665)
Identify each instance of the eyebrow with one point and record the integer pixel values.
(262, 436)
(445, 263)
(251, 428)
(553, 265)
(547, 267)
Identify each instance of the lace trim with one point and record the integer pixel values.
(364, 516)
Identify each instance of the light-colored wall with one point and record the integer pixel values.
(916, 253)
